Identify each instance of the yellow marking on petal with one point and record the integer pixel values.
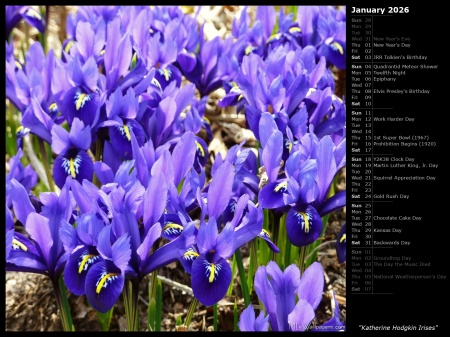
(192, 253)
(273, 37)
(280, 186)
(80, 100)
(173, 225)
(213, 271)
(266, 232)
(102, 52)
(290, 146)
(20, 128)
(151, 31)
(305, 217)
(270, 108)
(68, 46)
(127, 132)
(206, 120)
(343, 238)
(85, 260)
(102, 282)
(200, 148)
(32, 12)
(18, 65)
(240, 97)
(248, 50)
(20, 244)
(338, 47)
(166, 74)
(295, 30)
(72, 168)
(52, 106)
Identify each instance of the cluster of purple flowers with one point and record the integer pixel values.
(132, 192)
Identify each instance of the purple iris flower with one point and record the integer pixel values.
(123, 248)
(106, 278)
(331, 27)
(42, 252)
(330, 159)
(245, 165)
(206, 74)
(16, 13)
(248, 322)
(81, 242)
(121, 112)
(323, 28)
(71, 148)
(24, 175)
(207, 261)
(250, 40)
(211, 273)
(83, 100)
(29, 89)
(289, 33)
(277, 290)
(161, 55)
(309, 173)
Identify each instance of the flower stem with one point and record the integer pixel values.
(130, 297)
(63, 304)
(242, 277)
(44, 11)
(301, 262)
(215, 316)
(46, 165)
(191, 311)
(98, 156)
(252, 266)
(275, 231)
(153, 301)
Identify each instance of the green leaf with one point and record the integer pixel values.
(233, 273)
(242, 277)
(215, 316)
(63, 305)
(151, 314)
(158, 314)
(180, 186)
(105, 319)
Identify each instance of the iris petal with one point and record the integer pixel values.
(341, 244)
(172, 226)
(210, 280)
(303, 226)
(265, 235)
(272, 195)
(104, 283)
(188, 258)
(81, 104)
(75, 163)
(77, 267)
(121, 138)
